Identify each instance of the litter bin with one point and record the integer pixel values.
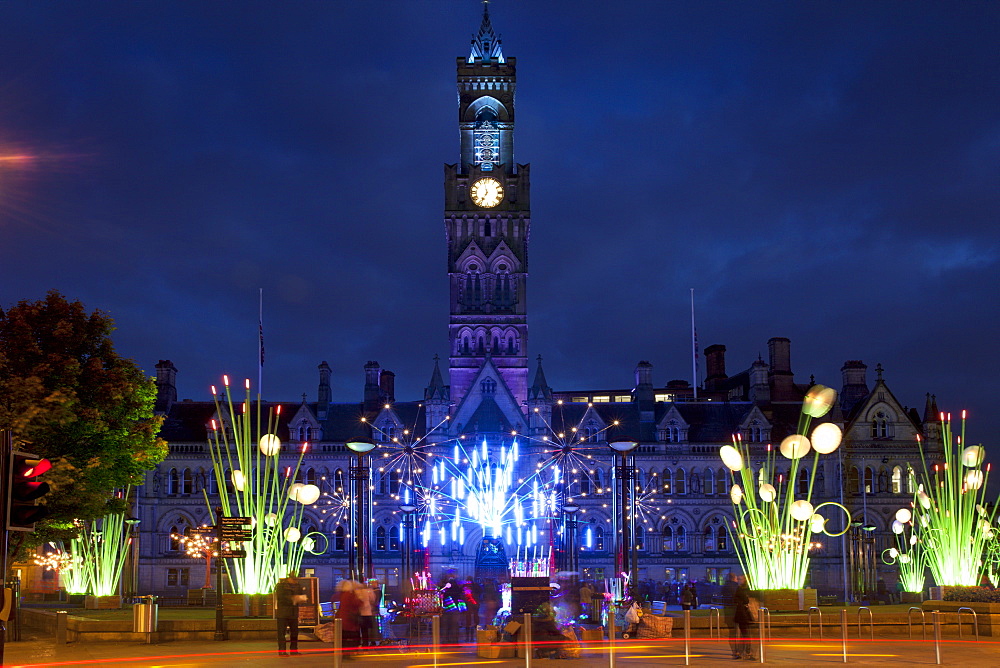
(144, 616)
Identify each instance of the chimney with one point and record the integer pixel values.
(643, 374)
(760, 390)
(387, 386)
(324, 395)
(166, 386)
(779, 351)
(715, 366)
(373, 376)
(855, 388)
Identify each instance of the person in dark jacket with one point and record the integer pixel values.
(729, 597)
(287, 595)
(742, 618)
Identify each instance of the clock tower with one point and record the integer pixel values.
(487, 219)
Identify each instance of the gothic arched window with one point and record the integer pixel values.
(173, 482)
(338, 480)
(187, 482)
(668, 539)
(584, 484)
(339, 542)
(394, 482)
(380, 539)
(722, 540)
(897, 480)
(681, 539)
(709, 482)
(598, 538)
(722, 482)
(803, 481)
(394, 538)
(640, 538)
(854, 480)
(869, 480)
(680, 482)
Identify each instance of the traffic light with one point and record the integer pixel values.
(24, 491)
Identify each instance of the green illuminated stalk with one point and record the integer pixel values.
(260, 490)
(102, 547)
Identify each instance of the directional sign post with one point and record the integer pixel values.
(230, 531)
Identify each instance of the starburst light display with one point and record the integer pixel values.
(773, 530)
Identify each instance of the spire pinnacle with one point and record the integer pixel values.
(486, 45)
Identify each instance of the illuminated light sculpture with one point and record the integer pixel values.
(773, 531)
(910, 554)
(67, 564)
(956, 534)
(102, 546)
(200, 546)
(260, 488)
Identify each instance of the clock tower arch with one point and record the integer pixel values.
(487, 217)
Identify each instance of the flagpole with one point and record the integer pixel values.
(694, 349)
(260, 339)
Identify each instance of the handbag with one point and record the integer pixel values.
(753, 609)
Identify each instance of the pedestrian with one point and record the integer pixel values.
(587, 600)
(366, 611)
(687, 597)
(349, 614)
(728, 594)
(287, 595)
(742, 618)
(453, 608)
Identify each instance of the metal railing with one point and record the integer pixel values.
(820, 624)
(871, 621)
(714, 613)
(975, 622)
(909, 622)
(765, 628)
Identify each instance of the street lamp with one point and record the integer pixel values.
(569, 538)
(408, 510)
(623, 497)
(360, 475)
(133, 588)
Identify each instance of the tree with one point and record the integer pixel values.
(67, 395)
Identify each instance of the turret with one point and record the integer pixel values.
(166, 386)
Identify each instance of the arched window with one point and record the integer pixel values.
(910, 481)
(599, 538)
(338, 480)
(173, 482)
(383, 483)
(310, 476)
(175, 541)
(303, 432)
(187, 482)
(709, 539)
(722, 482)
(380, 539)
(802, 480)
(680, 482)
(709, 482)
(897, 480)
(584, 484)
(854, 480)
(682, 539)
(722, 540)
(394, 538)
(668, 481)
(668, 539)
(599, 480)
(394, 482)
(339, 542)
(869, 480)
(640, 538)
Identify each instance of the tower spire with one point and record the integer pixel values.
(486, 45)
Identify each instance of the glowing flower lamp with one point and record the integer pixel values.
(826, 438)
(974, 479)
(904, 515)
(292, 534)
(239, 481)
(736, 494)
(731, 457)
(801, 510)
(308, 495)
(795, 446)
(270, 445)
(973, 456)
(767, 492)
(818, 401)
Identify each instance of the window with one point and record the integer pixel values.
(394, 538)
(722, 482)
(668, 481)
(869, 480)
(187, 482)
(682, 539)
(883, 481)
(910, 481)
(854, 480)
(722, 539)
(709, 539)
(803, 481)
(680, 482)
(486, 139)
(339, 542)
(303, 432)
(310, 476)
(599, 480)
(602, 399)
(584, 484)
(668, 539)
(173, 482)
(579, 400)
(380, 539)
(338, 480)
(663, 397)
(175, 541)
(394, 482)
(709, 482)
(599, 538)
(897, 480)
(640, 538)
(178, 577)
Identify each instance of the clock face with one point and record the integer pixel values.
(486, 193)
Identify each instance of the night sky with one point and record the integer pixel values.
(824, 171)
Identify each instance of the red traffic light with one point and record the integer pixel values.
(23, 492)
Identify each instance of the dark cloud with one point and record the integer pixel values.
(822, 171)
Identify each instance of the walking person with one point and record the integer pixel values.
(728, 594)
(287, 595)
(687, 597)
(349, 614)
(743, 618)
(366, 611)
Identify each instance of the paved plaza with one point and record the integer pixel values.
(886, 651)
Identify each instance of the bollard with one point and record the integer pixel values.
(935, 618)
(338, 642)
(61, 619)
(687, 637)
(611, 636)
(528, 651)
(843, 631)
(435, 637)
(762, 614)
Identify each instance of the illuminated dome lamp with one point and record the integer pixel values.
(407, 507)
(361, 445)
(570, 508)
(623, 445)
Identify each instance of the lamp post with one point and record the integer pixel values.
(360, 475)
(408, 509)
(569, 537)
(133, 585)
(624, 515)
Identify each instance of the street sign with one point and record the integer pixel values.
(237, 534)
(233, 554)
(204, 531)
(234, 521)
